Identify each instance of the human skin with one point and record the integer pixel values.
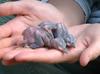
(91, 41)
(87, 46)
(87, 49)
(28, 13)
(43, 54)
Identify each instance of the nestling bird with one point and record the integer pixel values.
(49, 34)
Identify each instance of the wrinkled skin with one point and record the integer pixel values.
(48, 34)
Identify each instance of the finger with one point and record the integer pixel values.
(11, 62)
(50, 56)
(38, 55)
(74, 53)
(43, 55)
(5, 31)
(5, 50)
(91, 53)
(7, 42)
(9, 56)
(10, 8)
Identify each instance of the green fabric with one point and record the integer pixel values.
(33, 68)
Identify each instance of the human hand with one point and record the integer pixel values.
(43, 54)
(87, 49)
(47, 56)
(27, 13)
(88, 42)
(91, 40)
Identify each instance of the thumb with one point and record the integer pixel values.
(92, 52)
(74, 53)
(10, 8)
